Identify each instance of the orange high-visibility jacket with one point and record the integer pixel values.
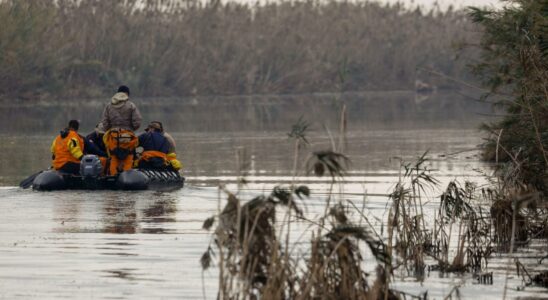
(147, 155)
(67, 149)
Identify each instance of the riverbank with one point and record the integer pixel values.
(81, 49)
(368, 110)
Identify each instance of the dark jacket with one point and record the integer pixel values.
(94, 144)
(154, 141)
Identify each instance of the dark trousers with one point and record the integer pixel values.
(71, 168)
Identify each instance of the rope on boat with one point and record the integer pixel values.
(161, 175)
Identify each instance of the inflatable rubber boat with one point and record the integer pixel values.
(90, 178)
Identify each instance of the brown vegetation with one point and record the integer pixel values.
(257, 260)
(71, 48)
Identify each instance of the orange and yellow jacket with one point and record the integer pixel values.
(67, 147)
(173, 161)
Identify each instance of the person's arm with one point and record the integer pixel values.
(136, 118)
(105, 121)
(91, 148)
(75, 149)
(53, 149)
(171, 142)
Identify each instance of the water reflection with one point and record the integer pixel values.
(66, 214)
(162, 210)
(119, 215)
(102, 237)
(127, 274)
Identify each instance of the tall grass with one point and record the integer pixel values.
(71, 48)
(257, 257)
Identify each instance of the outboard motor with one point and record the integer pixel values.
(90, 166)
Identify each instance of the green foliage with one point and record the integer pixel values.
(514, 67)
(73, 48)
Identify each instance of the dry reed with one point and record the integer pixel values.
(72, 48)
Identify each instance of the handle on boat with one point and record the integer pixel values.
(26, 183)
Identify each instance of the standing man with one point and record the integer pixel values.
(68, 149)
(121, 113)
(120, 119)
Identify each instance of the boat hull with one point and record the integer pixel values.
(133, 180)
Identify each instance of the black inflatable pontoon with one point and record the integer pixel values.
(89, 178)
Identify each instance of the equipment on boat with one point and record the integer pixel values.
(90, 178)
(90, 166)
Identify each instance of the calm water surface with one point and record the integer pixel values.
(147, 245)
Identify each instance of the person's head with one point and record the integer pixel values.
(123, 89)
(155, 126)
(74, 125)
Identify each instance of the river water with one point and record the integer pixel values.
(147, 245)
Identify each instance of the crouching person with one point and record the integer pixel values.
(158, 149)
(94, 144)
(155, 148)
(68, 149)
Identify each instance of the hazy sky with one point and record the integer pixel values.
(446, 3)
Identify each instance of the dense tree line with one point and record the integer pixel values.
(70, 48)
(514, 66)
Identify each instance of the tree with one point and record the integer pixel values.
(514, 67)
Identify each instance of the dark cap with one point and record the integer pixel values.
(156, 125)
(74, 124)
(123, 89)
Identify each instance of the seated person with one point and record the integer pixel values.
(67, 149)
(155, 147)
(94, 142)
(171, 155)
